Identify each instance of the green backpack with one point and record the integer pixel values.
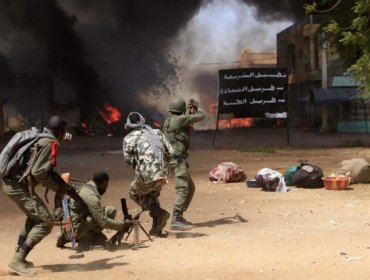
(289, 174)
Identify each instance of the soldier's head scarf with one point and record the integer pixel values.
(153, 139)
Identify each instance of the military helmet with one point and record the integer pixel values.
(56, 123)
(177, 105)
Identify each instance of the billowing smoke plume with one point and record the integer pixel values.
(61, 50)
(113, 50)
(277, 10)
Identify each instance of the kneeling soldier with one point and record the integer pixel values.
(88, 223)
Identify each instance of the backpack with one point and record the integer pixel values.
(227, 172)
(356, 168)
(289, 174)
(307, 176)
(15, 149)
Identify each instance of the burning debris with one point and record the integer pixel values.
(109, 113)
(237, 122)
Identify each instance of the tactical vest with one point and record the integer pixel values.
(179, 139)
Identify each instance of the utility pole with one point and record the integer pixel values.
(324, 81)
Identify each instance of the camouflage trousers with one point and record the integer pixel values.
(34, 208)
(184, 185)
(146, 194)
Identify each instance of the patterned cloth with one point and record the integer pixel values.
(271, 180)
(148, 168)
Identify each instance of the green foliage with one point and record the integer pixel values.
(258, 150)
(349, 30)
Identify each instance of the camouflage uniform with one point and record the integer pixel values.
(89, 222)
(178, 129)
(150, 176)
(150, 173)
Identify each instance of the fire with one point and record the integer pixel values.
(240, 122)
(110, 113)
(84, 125)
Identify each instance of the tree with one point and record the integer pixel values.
(348, 27)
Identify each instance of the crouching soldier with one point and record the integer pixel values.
(147, 151)
(89, 222)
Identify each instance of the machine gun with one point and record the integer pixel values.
(135, 224)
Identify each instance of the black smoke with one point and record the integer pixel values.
(280, 9)
(62, 49)
(111, 50)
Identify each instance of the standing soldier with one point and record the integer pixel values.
(178, 127)
(88, 223)
(36, 167)
(147, 151)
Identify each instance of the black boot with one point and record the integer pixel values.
(179, 223)
(153, 230)
(61, 241)
(160, 217)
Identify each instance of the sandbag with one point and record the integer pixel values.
(356, 168)
(308, 176)
(227, 172)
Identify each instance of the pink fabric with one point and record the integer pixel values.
(227, 172)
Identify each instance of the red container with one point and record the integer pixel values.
(336, 183)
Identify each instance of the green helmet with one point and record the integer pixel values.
(177, 105)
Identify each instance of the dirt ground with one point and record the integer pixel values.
(238, 233)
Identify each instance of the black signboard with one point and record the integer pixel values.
(253, 92)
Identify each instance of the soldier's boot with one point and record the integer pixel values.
(184, 221)
(178, 222)
(153, 231)
(17, 264)
(92, 241)
(21, 240)
(99, 241)
(160, 217)
(61, 241)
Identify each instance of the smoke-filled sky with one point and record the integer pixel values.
(124, 51)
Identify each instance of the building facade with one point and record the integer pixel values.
(312, 64)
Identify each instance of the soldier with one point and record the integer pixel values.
(178, 127)
(36, 167)
(88, 223)
(147, 151)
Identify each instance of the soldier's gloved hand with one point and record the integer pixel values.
(127, 224)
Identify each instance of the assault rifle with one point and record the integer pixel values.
(116, 239)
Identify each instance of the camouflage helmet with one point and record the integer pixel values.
(177, 105)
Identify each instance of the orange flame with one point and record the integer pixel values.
(84, 125)
(240, 122)
(110, 114)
